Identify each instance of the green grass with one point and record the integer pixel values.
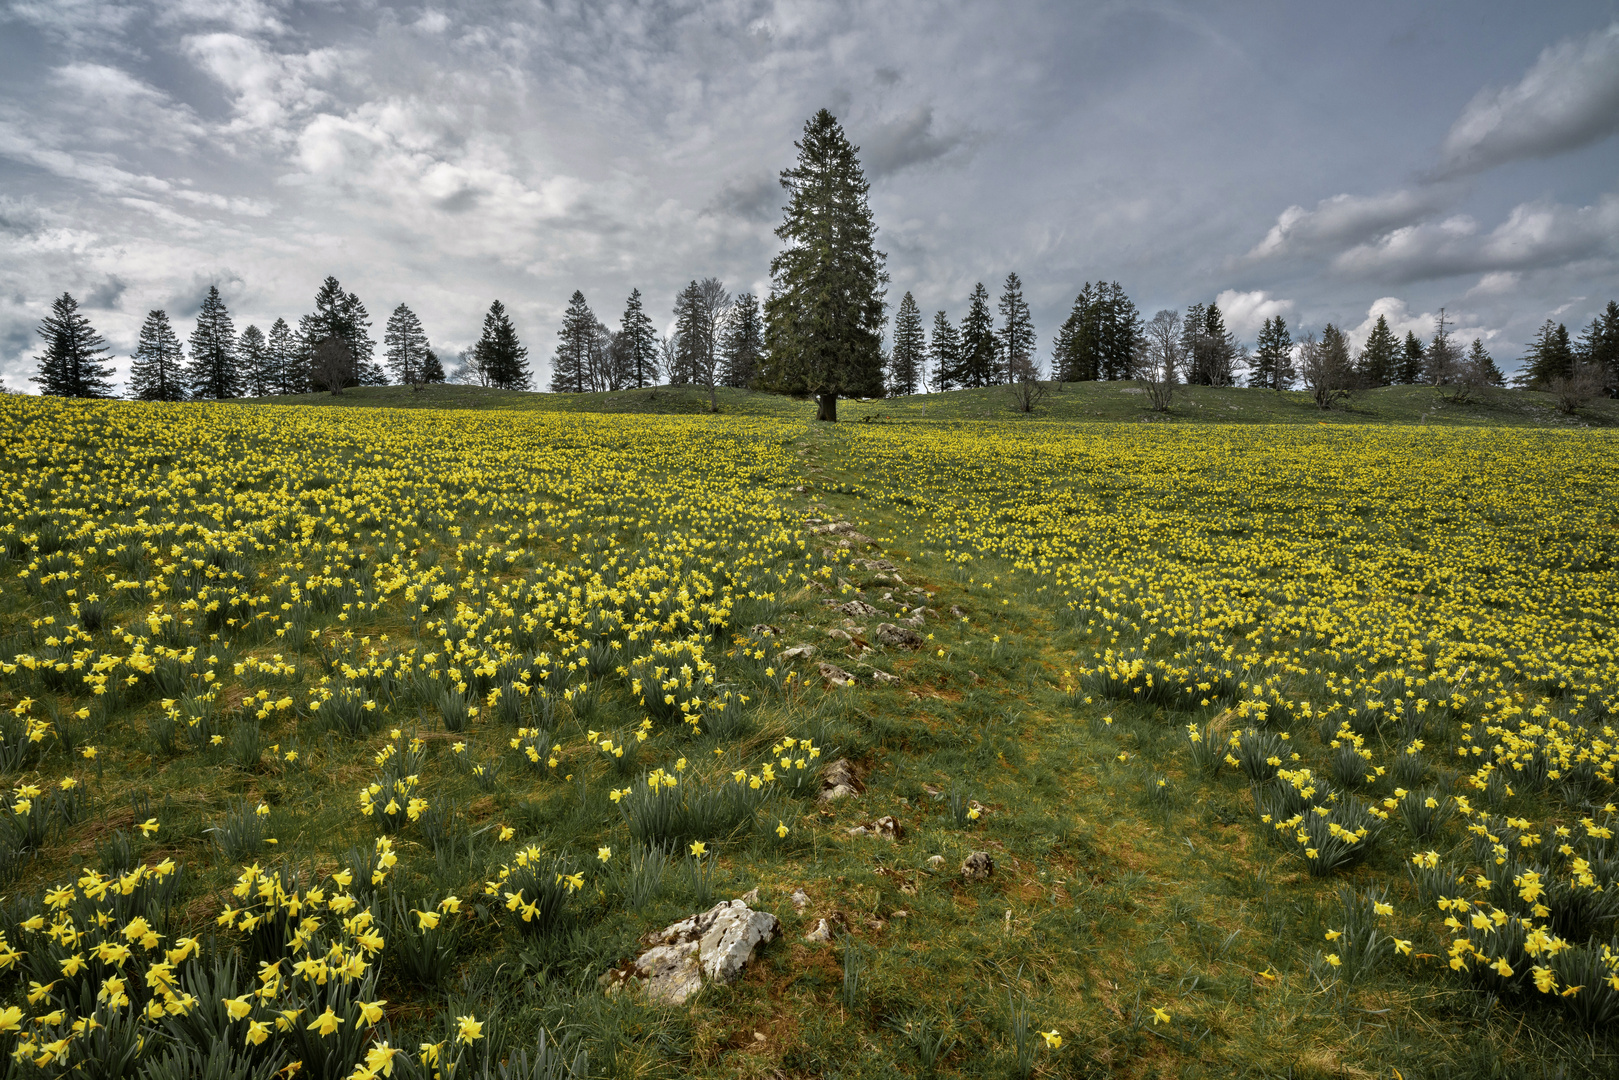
(1103, 402)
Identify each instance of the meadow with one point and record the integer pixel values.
(367, 739)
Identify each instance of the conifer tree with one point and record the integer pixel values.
(1118, 332)
(1599, 346)
(1017, 333)
(1443, 359)
(406, 345)
(572, 359)
(288, 374)
(1550, 357)
(944, 352)
(1219, 364)
(907, 361)
(214, 371)
(1273, 357)
(432, 367)
(158, 372)
(639, 342)
(74, 361)
(743, 344)
(342, 316)
(253, 357)
(1379, 359)
(689, 334)
(502, 355)
(824, 318)
(1483, 365)
(1074, 356)
(1412, 359)
(980, 351)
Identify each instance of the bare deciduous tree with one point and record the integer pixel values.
(1577, 389)
(1027, 392)
(332, 366)
(1325, 366)
(1162, 353)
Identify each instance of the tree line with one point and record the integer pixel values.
(818, 332)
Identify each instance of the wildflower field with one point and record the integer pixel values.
(362, 742)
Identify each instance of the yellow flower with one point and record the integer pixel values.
(370, 1011)
(699, 848)
(1332, 958)
(604, 853)
(237, 1007)
(468, 1028)
(1159, 1016)
(326, 1023)
(148, 827)
(781, 829)
(1053, 1039)
(257, 1032)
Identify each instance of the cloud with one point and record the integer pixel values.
(1496, 283)
(1534, 235)
(1344, 219)
(268, 88)
(1568, 98)
(892, 145)
(1246, 312)
(753, 198)
(1464, 327)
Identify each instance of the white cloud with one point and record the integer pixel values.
(268, 88)
(1246, 312)
(1496, 283)
(1569, 98)
(1344, 219)
(1402, 320)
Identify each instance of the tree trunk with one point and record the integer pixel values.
(826, 407)
(713, 403)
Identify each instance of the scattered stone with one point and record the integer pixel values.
(977, 867)
(919, 616)
(957, 612)
(766, 630)
(800, 900)
(714, 945)
(821, 931)
(899, 913)
(795, 652)
(839, 635)
(936, 862)
(838, 780)
(836, 675)
(759, 1036)
(751, 897)
(898, 636)
(885, 827)
(884, 677)
(859, 609)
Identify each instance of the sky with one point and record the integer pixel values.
(1322, 161)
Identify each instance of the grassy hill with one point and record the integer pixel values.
(1107, 402)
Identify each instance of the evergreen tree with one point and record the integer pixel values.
(824, 318)
(1550, 357)
(1220, 364)
(432, 368)
(1074, 354)
(253, 357)
(1194, 348)
(1412, 361)
(504, 359)
(406, 344)
(980, 351)
(639, 342)
(944, 351)
(1017, 333)
(1599, 346)
(288, 374)
(1380, 357)
(340, 315)
(214, 371)
(74, 362)
(1118, 332)
(1443, 360)
(743, 344)
(572, 360)
(1273, 357)
(157, 373)
(1483, 365)
(907, 361)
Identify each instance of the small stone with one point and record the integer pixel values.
(751, 897)
(788, 655)
(713, 944)
(839, 635)
(859, 609)
(884, 677)
(957, 612)
(836, 675)
(800, 900)
(936, 862)
(766, 630)
(759, 1036)
(977, 867)
(838, 780)
(822, 931)
(898, 636)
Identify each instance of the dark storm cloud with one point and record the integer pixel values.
(446, 154)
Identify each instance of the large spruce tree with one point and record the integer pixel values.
(907, 361)
(340, 315)
(1273, 357)
(405, 345)
(570, 366)
(944, 353)
(1017, 333)
(1599, 345)
(824, 318)
(503, 356)
(289, 375)
(742, 346)
(1551, 356)
(158, 371)
(253, 359)
(1074, 355)
(1412, 358)
(1379, 359)
(639, 342)
(214, 371)
(74, 360)
(1482, 365)
(980, 351)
